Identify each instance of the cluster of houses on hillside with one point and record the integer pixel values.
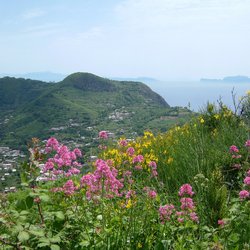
(119, 114)
(71, 124)
(8, 168)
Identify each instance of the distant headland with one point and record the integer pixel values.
(229, 79)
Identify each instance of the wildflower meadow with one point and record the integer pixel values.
(187, 188)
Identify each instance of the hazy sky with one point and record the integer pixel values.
(164, 39)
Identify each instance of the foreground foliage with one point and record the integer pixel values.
(184, 189)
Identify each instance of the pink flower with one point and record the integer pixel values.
(181, 220)
(153, 164)
(152, 194)
(103, 179)
(237, 166)
(194, 217)
(233, 149)
(63, 150)
(248, 172)
(138, 158)
(236, 156)
(247, 144)
(138, 167)
(154, 173)
(123, 143)
(77, 152)
(58, 172)
(221, 223)
(247, 181)
(244, 194)
(73, 155)
(127, 173)
(186, 189)
(180, 213)
(166, 212)
(187, 204)
(68, 174)
(48, 166)
(103, 134)
(102, 147)
(110, 162)
(52, 144)
(57, 189)
(37, 200)
(130, 151)
(74, 171)
(76, 164)
(69, 187)
(130, 193)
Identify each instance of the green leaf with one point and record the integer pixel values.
(99, 217)
(43, 244)
(29, 201)
(55, 239)
(18, 228)
(54, 247)
(23, 236)
(45, 241)
(45, 198)
(59, 215)
(24, 212)
(85, 243)
(2, 220)
(38, 233)
(21, 205)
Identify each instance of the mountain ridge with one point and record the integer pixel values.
(67, 108)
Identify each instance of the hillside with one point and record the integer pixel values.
(77, 106)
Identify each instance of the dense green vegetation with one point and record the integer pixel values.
(187, 188)
(38, 109)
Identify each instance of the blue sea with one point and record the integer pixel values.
(197, 94)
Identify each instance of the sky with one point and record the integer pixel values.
(163, 39)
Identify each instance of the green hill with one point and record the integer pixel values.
(79, 106)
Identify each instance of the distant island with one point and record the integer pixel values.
(229, 79)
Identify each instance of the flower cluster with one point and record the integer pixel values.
(103, 134)
(153, 165)
(63, 162)
(245, 194)
(166, 212)
(102, 182)
(152, 194)
(187, 208)
(186, 189)
(234, 151)
(123, 142)
(187, 204)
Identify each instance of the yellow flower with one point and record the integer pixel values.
(202, 120)
(170, 160)
(148, 134)
(139, 245)
(228, 113)
(214, 132)
(216, 116)
(129, 204)
(177, 128)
